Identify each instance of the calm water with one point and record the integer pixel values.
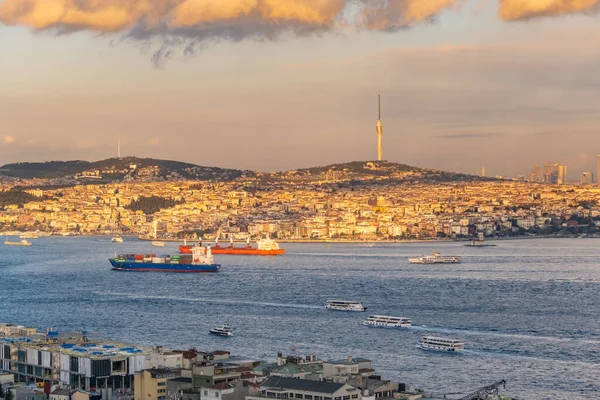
(527, 310)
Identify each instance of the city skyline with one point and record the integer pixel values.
(455, 99)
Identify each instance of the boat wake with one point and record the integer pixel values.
(501, 334)
(209, 300)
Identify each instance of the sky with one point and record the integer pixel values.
(282, 84)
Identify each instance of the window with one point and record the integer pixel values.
(206, 392)
(346, 397)
(216, 394)
(163, 383)
(299, 396)
(355, 396)
(308, 397)
(161, 390)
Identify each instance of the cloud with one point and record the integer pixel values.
(512, 10)
(8, 140)
(190, 24)
(468, 135)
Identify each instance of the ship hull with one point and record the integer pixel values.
(156, 267)
(237, 251)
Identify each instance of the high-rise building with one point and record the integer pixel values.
(379, 135)
(587, 178)
(483, 171)
(598, 169)
(555, 174)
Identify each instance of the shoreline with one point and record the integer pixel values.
(330, 241)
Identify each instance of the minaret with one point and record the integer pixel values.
(379, 134)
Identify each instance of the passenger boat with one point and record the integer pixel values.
(222, 330)
(435, 258)
(384, 321)
(21, 243)
(264, 247)
(158, 244)
(443, 344)
(344, 305)
(117, 239)
(201, 260)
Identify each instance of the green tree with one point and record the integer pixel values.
(1, 391)
(8, 395)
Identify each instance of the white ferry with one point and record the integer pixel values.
(158, 243)
(222, 330)
(435, 258)
(117, 239)
(344, 305)
(438, 343)
(385, 321)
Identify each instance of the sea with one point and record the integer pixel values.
(528, 310)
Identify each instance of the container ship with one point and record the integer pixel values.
(265, 247)
(200, 259)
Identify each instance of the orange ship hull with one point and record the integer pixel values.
(241, 251)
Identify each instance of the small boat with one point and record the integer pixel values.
(117, 239)
(21, 243)
(443, 344)
(344, 305)
(435, 258)
(384, 321)
(158, 244)
(221, 330)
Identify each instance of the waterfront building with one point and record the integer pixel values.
(73, 360)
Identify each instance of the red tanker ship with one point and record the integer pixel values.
(265, 247)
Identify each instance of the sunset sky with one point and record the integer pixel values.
(282, 84)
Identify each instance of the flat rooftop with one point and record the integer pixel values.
(79, 347)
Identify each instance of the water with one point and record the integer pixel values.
(527, 309)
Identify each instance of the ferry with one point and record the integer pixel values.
(201, 260)
(384, 321)
(21, 243)
(158, 244)
(435, 258)
(222, 330)
(264, 247)
(117, 239)
(344, 305)
(443, 344)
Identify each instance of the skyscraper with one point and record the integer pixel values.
(482, 171)
(587, 178)
(555, 174)
(379, 134)
(598, 170)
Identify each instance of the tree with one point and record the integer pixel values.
(8, 395)
(1, 391)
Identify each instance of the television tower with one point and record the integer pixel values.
(379, 134)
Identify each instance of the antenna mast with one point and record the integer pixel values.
(379, 134)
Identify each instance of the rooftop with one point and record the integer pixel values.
(302, 384)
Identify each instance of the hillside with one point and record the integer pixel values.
(119, 169)
(369, 171)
